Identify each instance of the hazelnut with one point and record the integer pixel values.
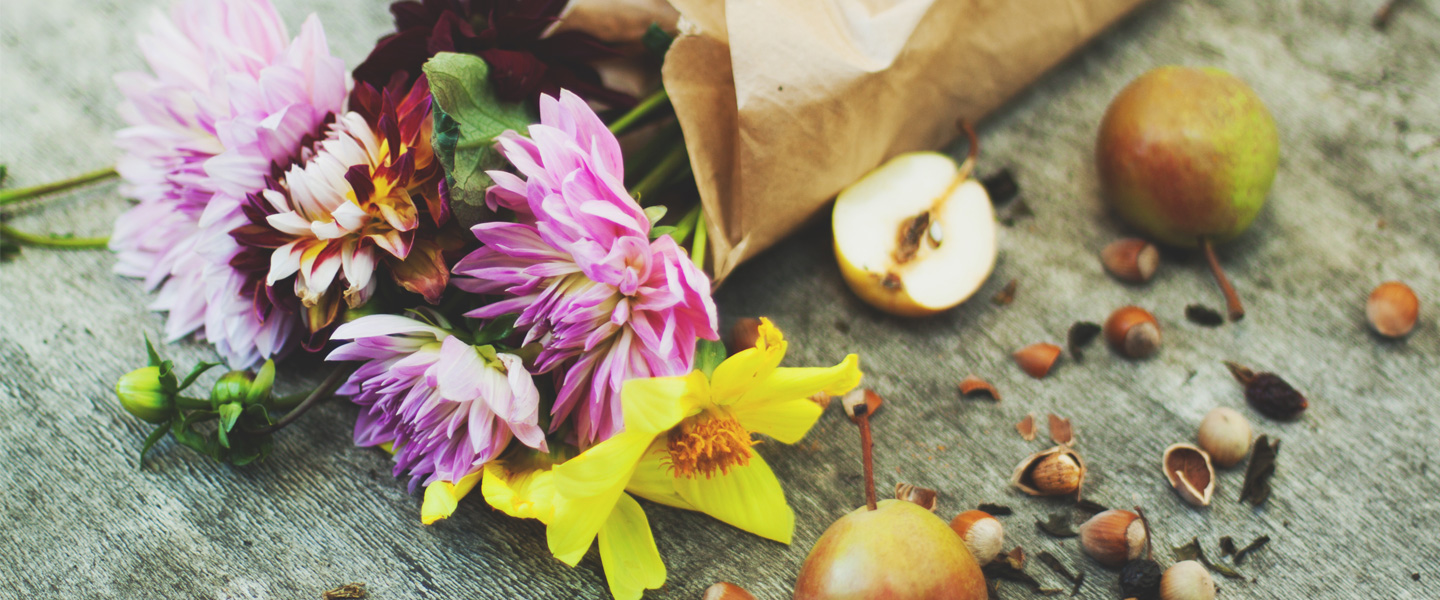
(1131, 259)
(1113, 537)
(1225, 434)
(1054, 472)
(1133, 332)
(1036, 359)
(983, 534)
(1189, 472)
(726, 591)
(1187, 580)
(1393, 309)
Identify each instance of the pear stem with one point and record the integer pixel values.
(1232, 299)
(867, 454)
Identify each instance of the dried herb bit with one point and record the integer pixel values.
(1001, 187)
(1200, 314)
(1268, 393)
(1243, 552)
(1081, 334)
(1059, 526)
(1076, 579)
(1018, 210)
(1091, 507)
(349, 591)
(995, 510)
(1012, 569)
(1257, 474)
(1227, 546)
(1192, 551)
(1006, 295)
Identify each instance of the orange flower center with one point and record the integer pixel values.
(708, 444)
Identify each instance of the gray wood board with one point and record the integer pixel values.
(1355, 508)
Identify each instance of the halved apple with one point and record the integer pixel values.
(915, 236)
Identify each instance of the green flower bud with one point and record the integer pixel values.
(231, 387)
(141, 393)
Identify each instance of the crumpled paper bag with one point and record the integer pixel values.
(785, 102)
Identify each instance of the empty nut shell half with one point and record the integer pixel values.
(1036, 359)
(1188, 470)
(975, 386)
(1053, 472)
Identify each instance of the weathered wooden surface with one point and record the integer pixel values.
(1357, 201)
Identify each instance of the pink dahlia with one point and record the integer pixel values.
(606, 303)
(227, 91)
(445, 406)
(366, 199)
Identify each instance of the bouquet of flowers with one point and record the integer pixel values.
(450, 224)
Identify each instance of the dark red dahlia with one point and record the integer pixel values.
(508, 34)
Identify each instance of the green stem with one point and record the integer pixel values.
(675, 159)
(686, 225)
(50, 241)
(639, 112)
(188, 403)
(697, 248)
(19, 194)
(326, 388)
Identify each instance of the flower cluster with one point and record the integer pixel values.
(562, 356)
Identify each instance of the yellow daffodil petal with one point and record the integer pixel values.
(653, 481)
(441, 497)
(627, 550)
(748, 497)
(794, 383)
(655, 404)
(527, 494)
(577, 522)
(748, 367)
(605, 466)
(786, 421)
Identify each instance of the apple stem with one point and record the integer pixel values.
(862, 416)
(1232, 299)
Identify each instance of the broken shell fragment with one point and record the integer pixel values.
(1189, 471)
(1131, 259)
(1053, 472)
(1113, 537)
(983, 534)
(924, 497)
(1026, 427)
(1036, 359)
(974, 386)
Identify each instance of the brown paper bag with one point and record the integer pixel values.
(785, 102)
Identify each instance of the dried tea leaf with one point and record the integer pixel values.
(1080, 336)
(1253, 546)
(1007, 570)
(1060, 430)
(1227, 546)
(1016, 557)
(1059, 526)
(1091, 506)
(1001, 187)
(995, 510)
(1006, 295)
(1026, 427)
(1018, 210)
(349, 591)
(1269, 394)
(1257, 474)
(1202, 315)
(1058, 567)
(1193, 551)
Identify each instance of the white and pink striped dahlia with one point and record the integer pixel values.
(606, 303)
(228, 96)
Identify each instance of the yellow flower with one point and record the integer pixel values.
(687, 443)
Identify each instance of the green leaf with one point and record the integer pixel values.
(497, 329)
(708, 355)
(8, 250)
(468, 118)
(229, 413)
(654, 214)
(195, 373)
(150, 351)
(264, 380)
(151, 439)
(656, 232)
(656, 40)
